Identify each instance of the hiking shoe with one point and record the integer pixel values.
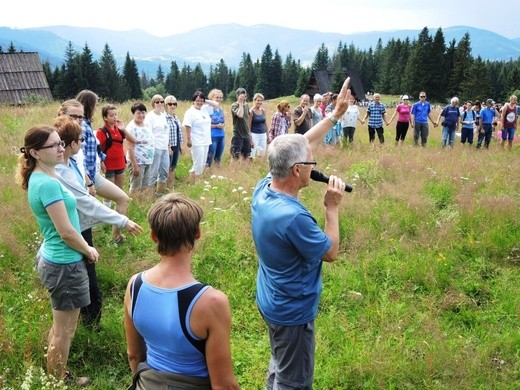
(69, 377)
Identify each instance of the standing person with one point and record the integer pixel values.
(509, 120)
(349, 121)
(420, 115)
(487, 117)
(82, 110)
(110, 138)
(325, 102)
(176, 138)
(281, 121)
(156, 120)
(140, 154)
(257, 118)
(450, 121)
(218, 132)
(291, 250)
(404, 120)
(166, 303)
(197, 122)
(334, 135)
(317, 114)
(242, 142)
(468, 120)
(302, 115)
(60, 258)
(91, 211)
(376, 114)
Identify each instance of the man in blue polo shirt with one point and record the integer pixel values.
(420, 115)
(487, 117)
(292, 248)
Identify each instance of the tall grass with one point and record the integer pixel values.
(425, 294)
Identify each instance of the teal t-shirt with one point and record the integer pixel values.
(44, 191)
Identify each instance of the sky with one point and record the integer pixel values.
(163, 18)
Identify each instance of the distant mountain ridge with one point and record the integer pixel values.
(208, 45)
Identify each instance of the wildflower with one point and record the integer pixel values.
(234, 190)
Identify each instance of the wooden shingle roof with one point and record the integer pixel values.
(21, 76)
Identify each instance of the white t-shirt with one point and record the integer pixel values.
(350, 116)
(199, 122)
(160, 129)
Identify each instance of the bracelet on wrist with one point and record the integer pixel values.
(332, 119)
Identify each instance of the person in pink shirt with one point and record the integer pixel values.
(403, 120)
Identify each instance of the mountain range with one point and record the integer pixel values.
(208, 45)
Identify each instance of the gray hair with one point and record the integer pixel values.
(285, 151)
(455, 100)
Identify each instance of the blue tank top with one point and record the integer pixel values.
(258, 123)
(162, 318)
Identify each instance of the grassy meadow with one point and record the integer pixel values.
(425, 294)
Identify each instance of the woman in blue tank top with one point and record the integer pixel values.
(166, 303)
(257, 119)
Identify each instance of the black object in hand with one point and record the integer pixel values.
(318, 176)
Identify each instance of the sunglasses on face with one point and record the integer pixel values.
(171, 104)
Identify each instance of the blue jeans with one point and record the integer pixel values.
(448, 135)
(216, 149)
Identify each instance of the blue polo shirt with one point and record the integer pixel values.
(290, 246)
(420, 111)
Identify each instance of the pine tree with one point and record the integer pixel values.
(321, 61)
(88, 71)
(171, 83)
(289, 76)
(111, 87)
(11, 49)
(462, 60)
(245, 77)
(131, 78)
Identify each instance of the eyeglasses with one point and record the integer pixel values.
(311, 163)
(422, 96)
(55, 145)
(159, 102)
(77, 117)
(171, 104)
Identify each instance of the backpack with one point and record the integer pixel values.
(110, 140)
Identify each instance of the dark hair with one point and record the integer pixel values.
(138, 107)
(68, 129)
(35, 138)
(198, 94)
(89, 100)
(174, 220)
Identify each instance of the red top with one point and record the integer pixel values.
(115, 159)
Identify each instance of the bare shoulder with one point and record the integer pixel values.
(214, 300)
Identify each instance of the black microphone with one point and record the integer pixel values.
(318, 176)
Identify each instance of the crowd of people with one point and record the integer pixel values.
(66, 168)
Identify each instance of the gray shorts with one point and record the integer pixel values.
(67, 283)
(292, 357)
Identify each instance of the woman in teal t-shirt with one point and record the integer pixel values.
(60, 258)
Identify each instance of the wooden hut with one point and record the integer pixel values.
(21, 77)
